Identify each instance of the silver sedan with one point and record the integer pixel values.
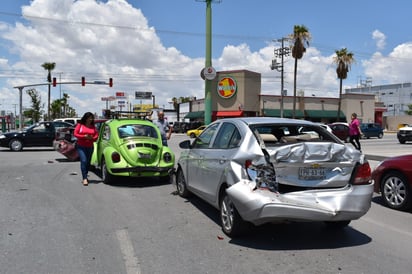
(257, 170)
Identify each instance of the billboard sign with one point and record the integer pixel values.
(146, 95)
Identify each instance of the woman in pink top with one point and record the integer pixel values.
(86, 134)
(355, 131)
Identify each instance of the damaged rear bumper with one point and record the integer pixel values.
(260, 206)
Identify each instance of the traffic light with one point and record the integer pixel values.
(110, 82)
(83, 81)
(54, 81)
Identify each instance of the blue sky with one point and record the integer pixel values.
(159, 46)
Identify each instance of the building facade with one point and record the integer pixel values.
(238, 94)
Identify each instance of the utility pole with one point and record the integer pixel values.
(281, 52)
(208, 61)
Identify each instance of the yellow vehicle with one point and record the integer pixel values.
(193, 133)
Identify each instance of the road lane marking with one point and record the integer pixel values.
(130, 260)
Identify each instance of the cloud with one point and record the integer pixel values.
(380, 39)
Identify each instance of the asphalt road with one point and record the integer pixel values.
(50, 223)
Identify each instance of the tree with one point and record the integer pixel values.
(300, 38)
(36, 107)
(343, 59)
(409, 111)
(49, 67)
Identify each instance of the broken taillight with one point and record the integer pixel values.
(363, 174)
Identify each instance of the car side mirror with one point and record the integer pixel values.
(185, 144)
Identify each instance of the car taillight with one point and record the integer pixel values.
(115, 157)
(248, 163)
(363, 174)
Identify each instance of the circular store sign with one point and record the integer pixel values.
(226, 87)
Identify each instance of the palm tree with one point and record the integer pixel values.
(300, 37)
(343, 59)
(49, 67)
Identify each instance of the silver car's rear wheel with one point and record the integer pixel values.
(16, 145)
(395, 191)
(232, 224)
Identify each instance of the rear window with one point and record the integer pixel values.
(286, 134)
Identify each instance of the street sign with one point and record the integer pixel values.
(144, 95)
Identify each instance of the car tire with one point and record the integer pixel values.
(232, 223)
(107, 178)
(395, 191)
(181, 186)
(337, 224)
(192, 135)
(380, 135)
(15, 145)
(402, 141)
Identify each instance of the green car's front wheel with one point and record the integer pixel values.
(107, 178)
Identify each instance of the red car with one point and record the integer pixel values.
(393, 179)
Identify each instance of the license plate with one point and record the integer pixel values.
(144, 155)
(312, 173)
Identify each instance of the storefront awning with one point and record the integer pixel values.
(287, 113)
(195, 115)
(326, 114)
(229, 113)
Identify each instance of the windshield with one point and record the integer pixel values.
(126, 131)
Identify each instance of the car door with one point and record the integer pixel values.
(40, 135)
(216, 161)
(196, 171)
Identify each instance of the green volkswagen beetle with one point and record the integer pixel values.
(132, 148)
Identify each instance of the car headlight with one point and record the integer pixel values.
(167, 157)
(2, 136)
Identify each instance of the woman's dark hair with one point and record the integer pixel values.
(85, 117)
(354, 115)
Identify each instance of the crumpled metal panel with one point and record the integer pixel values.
(333, 198)
(261, 206)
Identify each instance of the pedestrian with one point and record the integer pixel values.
(355, 131)
(86, 134)
(163, 125)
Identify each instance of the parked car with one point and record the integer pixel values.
(393, 180)
(180, 127)
(132, 148)
(404, 134)
(257, 170)
(72, 121)
(371, 130)
(193, 133)
(341, 130)
(41, 134)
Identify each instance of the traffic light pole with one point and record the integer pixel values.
(20, 88)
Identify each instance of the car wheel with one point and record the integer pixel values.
(181, 184)
(402, 141)
(107, 178)
(192, 135)
(337, 224)
(380, 135)
(232, 224)
(15, 145)
(395, 191)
